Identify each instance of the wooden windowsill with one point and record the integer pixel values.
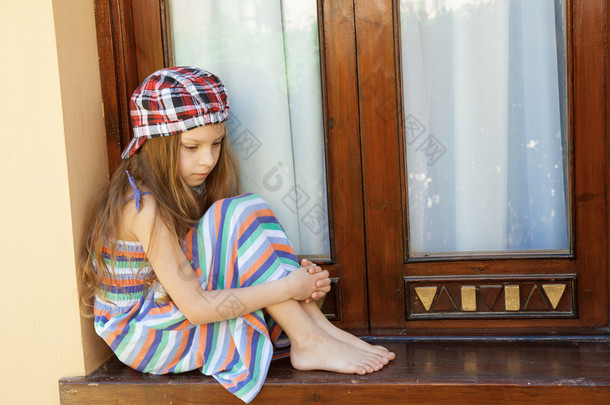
(425, 371)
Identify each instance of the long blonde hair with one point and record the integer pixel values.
(155, 169)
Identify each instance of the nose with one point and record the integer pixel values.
(205, 157)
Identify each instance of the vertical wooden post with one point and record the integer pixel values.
(381, 156)
(344, 161)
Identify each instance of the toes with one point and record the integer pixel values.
(386, 353)
(375, 363)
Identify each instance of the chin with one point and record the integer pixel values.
(196, 184)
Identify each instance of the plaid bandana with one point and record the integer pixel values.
(175, 100)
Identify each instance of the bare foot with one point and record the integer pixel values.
(320, 351)
(358, 343)
(344, 336)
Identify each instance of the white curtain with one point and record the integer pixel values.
(484, 106)
(267, 54)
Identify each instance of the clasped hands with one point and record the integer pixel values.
(309, 283)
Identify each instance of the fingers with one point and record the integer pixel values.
(323, 283)
(322, 288)
(320, 293)
(317, 296)
(322, 280)
(314, 269)
(323, 275)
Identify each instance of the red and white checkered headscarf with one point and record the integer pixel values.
(174, 100)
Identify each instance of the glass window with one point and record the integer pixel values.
(484, 86)
(267, 54)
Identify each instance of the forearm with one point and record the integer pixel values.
(219, 305)
(175, 273)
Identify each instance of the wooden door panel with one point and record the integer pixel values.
(381, 159)
(590, 150)
(149, 37)
(118, 74)
(343, 161)
(415, 295)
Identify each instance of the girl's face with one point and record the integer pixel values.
(199, 152)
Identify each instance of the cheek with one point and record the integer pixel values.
(216, 156)
(183, 163)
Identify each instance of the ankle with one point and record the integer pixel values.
(308, 339)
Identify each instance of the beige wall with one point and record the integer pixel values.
(52, 161)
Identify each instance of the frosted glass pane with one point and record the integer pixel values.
(484, 87)
(267, 54)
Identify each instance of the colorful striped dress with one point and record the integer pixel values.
(237, 243)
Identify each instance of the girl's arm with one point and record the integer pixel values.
(177, 277)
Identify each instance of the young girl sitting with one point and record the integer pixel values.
(187, 274)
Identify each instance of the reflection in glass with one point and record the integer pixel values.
(484, 87)
(267, 54)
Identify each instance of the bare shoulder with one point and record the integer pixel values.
(136, 225)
